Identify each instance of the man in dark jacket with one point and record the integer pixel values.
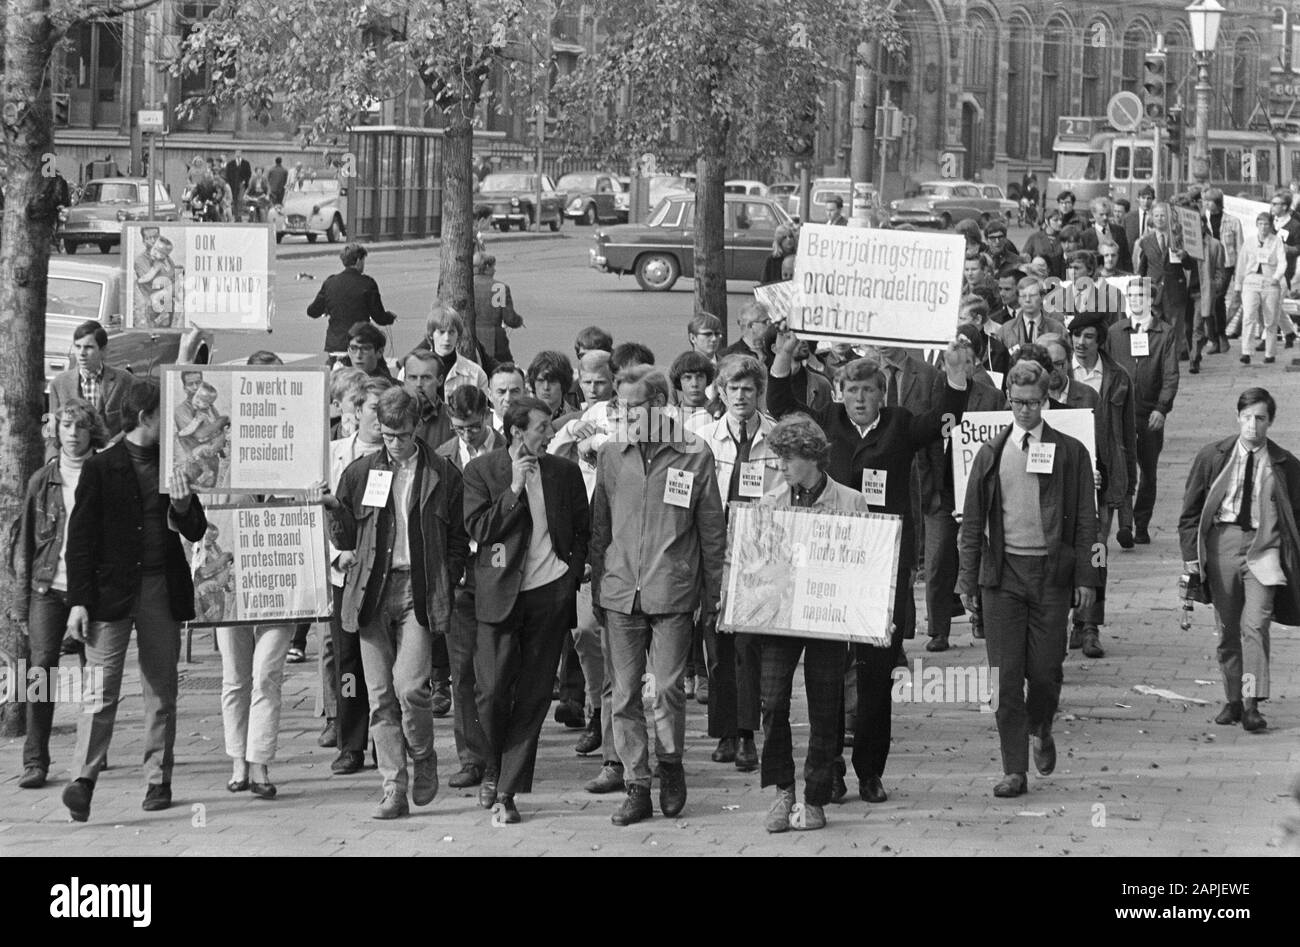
(1028, 528)
(399, 509)
(872, 448)
(527, 511)
(494, 310)
(104, 386)
(347, 298)
(1146, 348)
(126, 569)
(277, 178)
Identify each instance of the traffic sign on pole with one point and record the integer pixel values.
(1124, 111)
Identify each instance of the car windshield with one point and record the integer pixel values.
(319, 186)
(79, 298)
(509, 182)
(993, 191)
(117, 192)
(578, 182)
(782, 189)
(936, 190)
(672, 213)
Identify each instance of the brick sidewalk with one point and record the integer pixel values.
(1137, 775)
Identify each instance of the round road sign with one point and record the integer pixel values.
(1124, 111)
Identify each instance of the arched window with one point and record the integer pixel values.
(1245, 80)
(1097, 43)
(1180, 74)
(1056, 81)
(1136, 43)
(1018, 63)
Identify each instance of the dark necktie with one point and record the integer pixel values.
(742, 458)
(1024, 444)
(1247, 493)
(1029, 330)
(891, 397)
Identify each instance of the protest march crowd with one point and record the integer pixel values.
(496, 527)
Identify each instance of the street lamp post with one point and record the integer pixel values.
(1204, 16)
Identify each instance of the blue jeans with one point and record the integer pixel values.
(395, 653)
(668, 638)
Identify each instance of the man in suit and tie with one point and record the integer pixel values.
(1031, 321)
(1170, 272)
(1138, 221)
(1102, 229)
(102, 385)
(1009, 278)
(469, 409)
(1028, 529)
(527, 511)
(835, 212)
(753, 321)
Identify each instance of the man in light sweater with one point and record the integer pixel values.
(1028, 539)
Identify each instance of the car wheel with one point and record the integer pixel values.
(311, 237)
(335, 231)
(279, 237)
(70, 246)
(946, 221)
(503, 226)
(555, 225)
(657, 272)
(589, 218)
(105, 248)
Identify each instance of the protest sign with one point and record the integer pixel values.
(186, 275)
(247, 428)
(778, 298)
(261, 563)
(810, 574)
(890, 287)
(1245, 211)
(1189, 226)
(978, 427)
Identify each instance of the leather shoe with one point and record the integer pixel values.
(1124, 536)
(635, 808)
(672, 788)
(505, 812)
(424, 786)
(76, 796)
(747, 755)
(1252, 720)
(348, 762)
(1092, 642)
(33, 778)
(487, 791)
(1195, 367)
(470, 775)
(264, 790)
(1012, 785)
(1142, 537)
(157, 798)
(871, 790)
(726, 751)
(937, 643)
(701, 689)
(609, 779)
(1076, 636)
(328, 736)
(393, 806)
(839, 788)
(441, 704)
(569, 713)
(591, 738)
(1044, 754)
(1230, 714)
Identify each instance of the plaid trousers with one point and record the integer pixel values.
(823, 674)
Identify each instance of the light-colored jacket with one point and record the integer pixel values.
(1231, 238)
(718, 438)
(342, 452)
(465, 372)
(670, 555)
(1271, 256)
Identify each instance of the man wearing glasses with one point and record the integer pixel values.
(753, 321)
(1002, 251)
(1028, 528)
(400, 510)
(366, 350)
(347, 297)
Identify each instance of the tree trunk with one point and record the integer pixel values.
(24, 263)
(456, 252)
(710, 229)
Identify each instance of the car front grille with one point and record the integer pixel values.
(297, 220)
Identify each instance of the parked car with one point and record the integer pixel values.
(944, 203)
(752, 188)
(78, 291)
(819, 194)
(512, 196)
(662, 250)
(105, 202)
(784, 191)
(591, 196)
(1010, 209)
(313, 206)
(623, 199)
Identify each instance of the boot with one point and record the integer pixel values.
(1251, 718)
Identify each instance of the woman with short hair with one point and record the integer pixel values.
(39, 558)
